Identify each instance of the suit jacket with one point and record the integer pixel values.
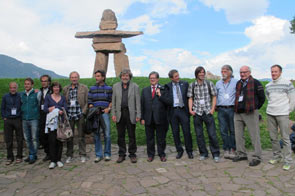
(184, 88)
(133, 101)
(153, 107)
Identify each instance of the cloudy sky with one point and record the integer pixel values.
(179, 34)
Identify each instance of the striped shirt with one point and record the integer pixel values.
(100, 96)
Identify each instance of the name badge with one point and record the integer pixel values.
(202, 101)
(42, 107)
(226, 96)
(241, 98)
(73, 102)
(13, 111)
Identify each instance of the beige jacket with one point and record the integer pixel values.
(133, 101)
(82, 96)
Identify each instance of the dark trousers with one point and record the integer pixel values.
(161, 130)
(122, 125)
(43, 137)
(55, 147)
(211, 130)
(10, 126)
(180, 116)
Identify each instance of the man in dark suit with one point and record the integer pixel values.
(178, 113)
(154, 117)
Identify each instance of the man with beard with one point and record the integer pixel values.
(126, 113)
(226, 91)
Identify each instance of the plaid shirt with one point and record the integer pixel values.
(74, 111)
(201, 94)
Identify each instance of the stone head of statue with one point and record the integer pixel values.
(108, 20)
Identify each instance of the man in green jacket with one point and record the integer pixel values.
(30, 119)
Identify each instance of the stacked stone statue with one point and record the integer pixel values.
(109, 40)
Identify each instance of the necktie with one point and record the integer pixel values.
(179, 95)
(154, 91)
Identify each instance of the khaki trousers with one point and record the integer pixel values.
(250, 120)
(282, 122)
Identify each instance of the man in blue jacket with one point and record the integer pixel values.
(30, 119)
(11, 114)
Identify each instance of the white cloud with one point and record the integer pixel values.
(271, 43)
(42, 32)
(144, 23)
(238, 11)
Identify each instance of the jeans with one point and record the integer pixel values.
(31, 135)
(211, 130)
(227, 128)
(107, 138)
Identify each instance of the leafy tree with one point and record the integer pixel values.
(292, 28)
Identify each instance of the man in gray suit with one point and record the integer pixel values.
(125, 113)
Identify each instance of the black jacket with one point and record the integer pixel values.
(153, 107)
(184, 88)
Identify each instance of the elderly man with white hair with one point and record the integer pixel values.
(249, 99)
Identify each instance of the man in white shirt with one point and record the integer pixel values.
(281, 101)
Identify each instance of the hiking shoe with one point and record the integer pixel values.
(120, 159)
(52, 165)
(286, 167)
(8, 162)
(133, 159)
(69, 159)
(60, 164)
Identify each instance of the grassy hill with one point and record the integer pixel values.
(140, 133)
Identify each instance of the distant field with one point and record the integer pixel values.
(140, 134)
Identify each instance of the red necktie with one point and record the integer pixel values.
(153, 92)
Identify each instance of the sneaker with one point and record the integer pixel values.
(226, 154)
(83, 159)
(232, 154)
(97, 159)
(52, 165)
(202, 158)
(107, 158)
(216, 159)
(273, 161)
(19, 160)
(69, 159)
(286, 167)
(27, 159)
(60, 164)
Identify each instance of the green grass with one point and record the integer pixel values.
(140, 133)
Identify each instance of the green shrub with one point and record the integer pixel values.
(140, 132)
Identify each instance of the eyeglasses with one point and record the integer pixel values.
(243, 72)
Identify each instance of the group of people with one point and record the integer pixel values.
(34, 113)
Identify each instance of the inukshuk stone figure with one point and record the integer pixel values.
(109, 40)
